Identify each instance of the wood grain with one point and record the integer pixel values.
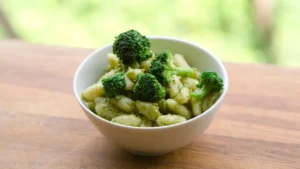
(43, 127)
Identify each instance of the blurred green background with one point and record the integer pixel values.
(249, 31)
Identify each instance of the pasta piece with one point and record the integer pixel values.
(132, 73)
(196, 106)
(169, 119)
(111, 73)
(96, 90)
(162, 104)
(149, 110)
(120, 67)
(113, 60)
(155, 125)
(178, 109)
(124, 103)
(146, 122)
(175, 86)
(146, 64)
(129, 84)
(102, 100)
(209, 100)
(213, 97)
(128, 120)
(190, 83)
(183, 96)
(106, 110)
(196, 74)
(135, 65)
(180, 61)
(204, 104)
(90, 105)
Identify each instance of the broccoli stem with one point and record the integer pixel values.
(180, 71)
(200, 94)
(183, 71)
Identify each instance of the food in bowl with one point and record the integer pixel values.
(145, 89)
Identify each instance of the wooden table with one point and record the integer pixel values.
(43, 127)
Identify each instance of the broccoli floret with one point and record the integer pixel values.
(115, 85)
(131, 46)
(162, 68)
(208, 82)
(148, 89)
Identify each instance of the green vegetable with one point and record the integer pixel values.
(131, 46)
(162, 68)
(147, 88)
(209, 82)
(114, 86)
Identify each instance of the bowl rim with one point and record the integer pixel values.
(216, 59)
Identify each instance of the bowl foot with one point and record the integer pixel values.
(146, 153)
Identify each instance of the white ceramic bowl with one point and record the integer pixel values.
(156, 140)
